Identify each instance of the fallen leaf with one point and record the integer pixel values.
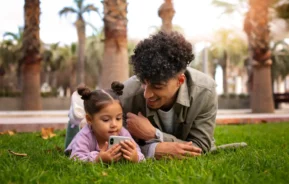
(47, 133)
(9, 132)
(17, 154)
(104, 173)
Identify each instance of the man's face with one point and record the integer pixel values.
(162, 95)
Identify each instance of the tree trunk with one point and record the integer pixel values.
(31, 99)
(31, 87)
(261, 98)
(80, 27)
(224, 66)
(225, 77)
(256, 27)
(166, 13)
(115, 60)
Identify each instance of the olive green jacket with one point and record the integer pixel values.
(195, 107)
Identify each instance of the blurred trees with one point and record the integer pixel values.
(115, 60)
(80, 24)
(229, 50)
(30, 60)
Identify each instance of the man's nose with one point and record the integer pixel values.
(147, 92)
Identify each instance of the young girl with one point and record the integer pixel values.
(104, 118)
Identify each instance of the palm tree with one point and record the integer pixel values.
(166, 12)
(16, 40)
(115, 60)
(80, 27)
(280, 58)
(257, 30)
(30, 60)
(228, 49)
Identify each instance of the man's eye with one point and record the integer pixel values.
(157, 87)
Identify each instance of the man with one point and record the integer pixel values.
(169, 107)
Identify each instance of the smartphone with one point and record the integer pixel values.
(116, 140)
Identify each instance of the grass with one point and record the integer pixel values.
(265, 160)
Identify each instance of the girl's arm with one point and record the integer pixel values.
(81, 150)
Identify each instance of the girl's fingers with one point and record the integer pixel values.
(114, 148)
(125, 146)
(128, 145)
(104, 148)
(126, 157)
(117, 156)
(125, 152)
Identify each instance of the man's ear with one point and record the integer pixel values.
(88, 118)
(181, 79)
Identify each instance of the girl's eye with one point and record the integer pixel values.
(105, 120)
(118, 119)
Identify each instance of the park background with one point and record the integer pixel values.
(224, 49)
(242, 44)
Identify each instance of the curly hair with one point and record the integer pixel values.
(161, 57)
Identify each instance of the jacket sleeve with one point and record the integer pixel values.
(80, 150)
(202, 127)
(202, 130)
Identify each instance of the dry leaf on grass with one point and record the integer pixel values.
(47, 133)
(17, 154)
(9, 132)
(104, 173)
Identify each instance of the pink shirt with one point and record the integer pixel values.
(85, 147)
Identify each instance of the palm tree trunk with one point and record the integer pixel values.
(166, 13)
(80, 27)
(115, 60)
(224, 66)
(258, 34)
(31, 99)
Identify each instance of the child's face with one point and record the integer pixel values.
(108, 121)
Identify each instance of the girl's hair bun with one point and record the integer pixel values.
(117, 87)
(84, 92)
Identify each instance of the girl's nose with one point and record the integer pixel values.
(113, 123)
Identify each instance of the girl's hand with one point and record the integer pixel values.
(129, 151)
(109, 155)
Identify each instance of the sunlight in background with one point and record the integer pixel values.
(198, 19)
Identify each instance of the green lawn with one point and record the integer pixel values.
(265, 160)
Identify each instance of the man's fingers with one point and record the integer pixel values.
(140, 114)
(130, 115)
(191, 148)
(191, 153)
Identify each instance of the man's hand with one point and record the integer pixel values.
(109, 155)
(129, 151)
(140, 127)
(176, 149)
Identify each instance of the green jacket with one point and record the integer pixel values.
(196, 109)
